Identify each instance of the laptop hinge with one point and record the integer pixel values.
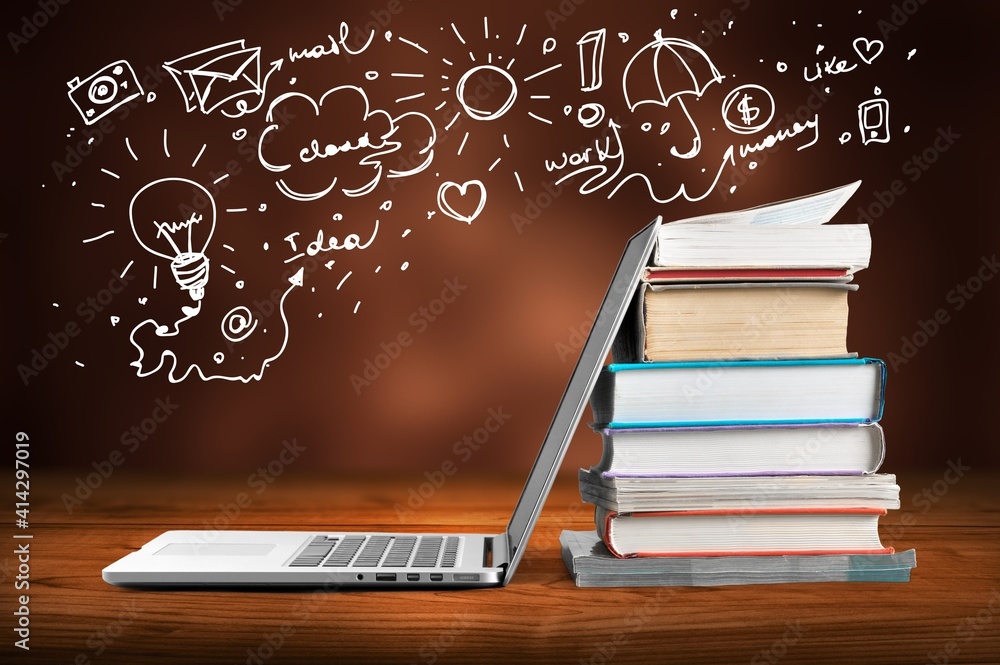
(495, 554)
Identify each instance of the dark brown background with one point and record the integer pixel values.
(528, 288)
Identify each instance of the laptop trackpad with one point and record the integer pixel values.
(216, 549)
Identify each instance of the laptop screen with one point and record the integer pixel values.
(574, 398)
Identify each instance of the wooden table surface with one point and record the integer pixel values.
(948, 613)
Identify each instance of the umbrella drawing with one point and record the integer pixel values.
(669, 68)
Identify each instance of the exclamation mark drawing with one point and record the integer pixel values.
(592, 59)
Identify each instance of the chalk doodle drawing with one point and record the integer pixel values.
(175, 218)
(227, 74)
(592, 59)
(485, 91)
(235, 321)
(452, 194)
(335, 46)
(176, 231)
(322, 244)
(103, 91)
(356, 136)
(675, 68)
(486, 71)
(873, 120)
(755, 109)
(868, 49)
(591, 115)
(238, 324)
(661, 72)
(484, 83)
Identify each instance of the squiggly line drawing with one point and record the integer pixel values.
(593, 158)
(295, 281)
(609, 149)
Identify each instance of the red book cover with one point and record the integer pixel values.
(743, 274)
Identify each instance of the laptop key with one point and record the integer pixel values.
(342, 556)
(427, 552)
(399, 553)
(314, 553)
(373, 551)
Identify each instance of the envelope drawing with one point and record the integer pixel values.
(218, 75)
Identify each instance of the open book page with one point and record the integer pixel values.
(810, 210)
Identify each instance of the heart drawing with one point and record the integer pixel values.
(453, 197)
(868, 49)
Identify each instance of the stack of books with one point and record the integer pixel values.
(741, 441)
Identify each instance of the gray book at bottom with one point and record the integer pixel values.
(592, 565)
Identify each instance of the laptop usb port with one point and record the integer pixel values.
(436, 577)
(385, 577)
(413, 577)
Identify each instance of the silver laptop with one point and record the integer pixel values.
(334, 559)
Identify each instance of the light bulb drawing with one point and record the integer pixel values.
(166, 225)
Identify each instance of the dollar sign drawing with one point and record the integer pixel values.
(749, 113)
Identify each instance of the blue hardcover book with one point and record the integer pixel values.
(758, 392)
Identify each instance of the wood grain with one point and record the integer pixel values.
(541, 617)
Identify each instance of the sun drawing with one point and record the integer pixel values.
(461, 85)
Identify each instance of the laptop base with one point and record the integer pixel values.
(326, 560)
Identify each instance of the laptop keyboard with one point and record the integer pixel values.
(378, 551)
